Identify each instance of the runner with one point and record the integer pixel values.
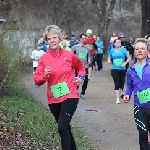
(64, 45)
(117, 59)
(83, 53)
(99, 53)
(43, 45)
(138, 83)
(113, 37)
(57, 68)
(126, 45)
(90, 42)
(148, 38)
(36, 54)
(73, 41)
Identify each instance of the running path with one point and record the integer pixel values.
(107, 125)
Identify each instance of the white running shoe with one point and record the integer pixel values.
(117, 101)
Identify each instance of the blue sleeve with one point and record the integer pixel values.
(129, 86)
(109, 53)
(109, 48)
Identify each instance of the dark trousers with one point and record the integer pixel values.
(119, 78)
(63, 113)
(34, 69)
(144, 128)
(84, 86)
(99, 61)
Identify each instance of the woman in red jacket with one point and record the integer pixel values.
(57, 68)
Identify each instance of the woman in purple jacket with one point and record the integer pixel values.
(138, 83)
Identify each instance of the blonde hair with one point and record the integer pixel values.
(53, 29)
(143, 40)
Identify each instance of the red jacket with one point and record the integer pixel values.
(62, 71)
(90, 43)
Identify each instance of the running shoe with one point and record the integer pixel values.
(101, 70)
(82, 96)
(117, 101)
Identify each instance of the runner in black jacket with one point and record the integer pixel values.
(126, 45)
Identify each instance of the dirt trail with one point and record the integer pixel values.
(112, 126)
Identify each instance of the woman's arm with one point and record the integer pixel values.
(39, 75)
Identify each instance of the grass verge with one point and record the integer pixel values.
(20, 108)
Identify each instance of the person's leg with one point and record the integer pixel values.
(149, 127)
(55, 110)
(101, 60)
(122, 75)
(98, 61)
(68, 108)
(84, 86)
(90, 68)
(34, 69)
(96, 67)
(144, 116)
(93, 63)
(115, 76)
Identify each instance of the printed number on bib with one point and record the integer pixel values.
(82, 55)
(118, 62)
(144, 96)
(60, 89)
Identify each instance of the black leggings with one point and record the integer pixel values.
(34, 69)
(84, 86)
(144, 127)
(99, 61)
(119, 78)
(63, 113)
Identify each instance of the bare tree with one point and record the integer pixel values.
(102, 11)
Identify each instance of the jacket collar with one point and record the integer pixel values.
(135, 60)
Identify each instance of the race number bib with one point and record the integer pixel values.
(60, 89)
(100, 50)
(82, 55)
(118, 62)
(90, 47)
(37, 57)
(144, 96)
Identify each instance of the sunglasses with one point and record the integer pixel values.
(121, 37)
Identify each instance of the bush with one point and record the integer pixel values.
(8, 64)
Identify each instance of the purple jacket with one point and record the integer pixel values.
(135, 84)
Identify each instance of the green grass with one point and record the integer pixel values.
(36, 119)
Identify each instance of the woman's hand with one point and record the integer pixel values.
(109, 61)
(77, 80)
(124, 64)
(126, 98)
(47, 71)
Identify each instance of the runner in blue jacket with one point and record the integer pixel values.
(138, 83)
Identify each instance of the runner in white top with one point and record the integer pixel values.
(36, 54)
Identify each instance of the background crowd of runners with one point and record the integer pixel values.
(65, 64)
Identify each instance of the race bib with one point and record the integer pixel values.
(60, 89)
(118, 62)
(82, 55)
(144, 96)
(37, 57)
(100, 50)
(90, 47)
